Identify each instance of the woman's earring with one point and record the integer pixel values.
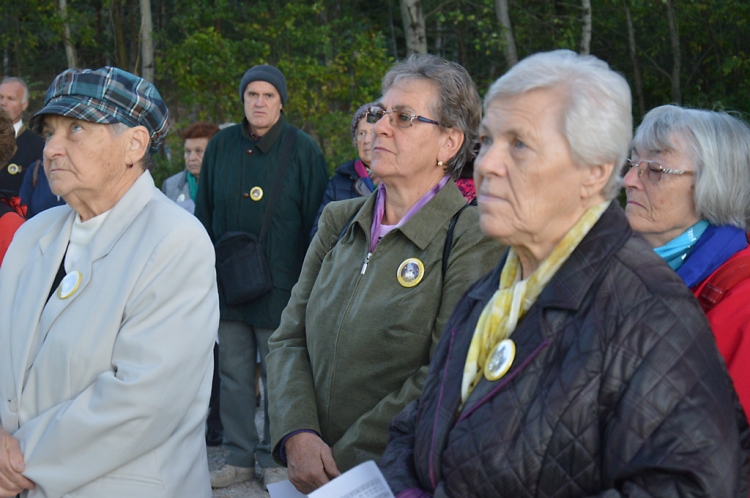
(130, 165)
(440, 163)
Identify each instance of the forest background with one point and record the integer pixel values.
(335, 53)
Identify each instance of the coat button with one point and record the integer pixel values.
(13, 405)
(249, 151)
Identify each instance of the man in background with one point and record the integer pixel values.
(236, 185)
(14, 99)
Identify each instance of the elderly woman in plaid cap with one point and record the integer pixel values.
(109, 309)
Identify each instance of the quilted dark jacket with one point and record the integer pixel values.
(617, 389)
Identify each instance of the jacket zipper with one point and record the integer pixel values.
(364, 266)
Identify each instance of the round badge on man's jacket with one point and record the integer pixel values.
(256, 193)
(410, 272)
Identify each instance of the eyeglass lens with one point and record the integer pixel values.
(652, 170)
(403, 119)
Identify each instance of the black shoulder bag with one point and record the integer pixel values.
(241, 264)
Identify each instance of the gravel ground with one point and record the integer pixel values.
(248, 489)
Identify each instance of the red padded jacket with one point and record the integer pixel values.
(730, 322)
(11, 217)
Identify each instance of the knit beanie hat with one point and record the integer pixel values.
(361, 113)
(265, 73)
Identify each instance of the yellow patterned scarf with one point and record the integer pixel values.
(514, 297)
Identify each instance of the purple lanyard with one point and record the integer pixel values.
(379, 210)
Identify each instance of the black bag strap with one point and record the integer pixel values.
(35, 172)
(287, 145)
(449, 239)
(448, 236)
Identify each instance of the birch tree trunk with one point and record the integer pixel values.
(147, 43)
(586, 28)
(506, 28)
(70, 50)
(634, 59)
(414, 26)
(674, 38)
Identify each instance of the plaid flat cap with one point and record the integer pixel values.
(107, 95)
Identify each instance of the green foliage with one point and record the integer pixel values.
(331, 67)
(334, 53)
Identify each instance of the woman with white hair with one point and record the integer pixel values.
(581, 366)
(688, 189)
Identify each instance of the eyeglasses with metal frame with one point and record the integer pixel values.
(652, 169)
(403, 119)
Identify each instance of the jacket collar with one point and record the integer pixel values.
(569, 286)
(36, 279)
(266, 141)
(427, 222)
(347, 169)
(713, 249)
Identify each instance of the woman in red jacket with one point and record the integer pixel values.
(11, 211)
(688, 190)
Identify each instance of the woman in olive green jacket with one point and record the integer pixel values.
(355, 341)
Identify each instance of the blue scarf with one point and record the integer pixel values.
(192, 185)
(676, 250)
(714, 248)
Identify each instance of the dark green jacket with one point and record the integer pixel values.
(232, 165)
(353, 349)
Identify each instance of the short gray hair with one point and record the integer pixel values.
(718, 145)
(459, 105)
(13, 79)
(147, 161)
(597, 121)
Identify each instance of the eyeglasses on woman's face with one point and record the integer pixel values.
(652, 170)
(402, 119)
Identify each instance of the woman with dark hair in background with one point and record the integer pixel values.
(183, 186)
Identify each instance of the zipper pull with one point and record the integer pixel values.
(367, 260)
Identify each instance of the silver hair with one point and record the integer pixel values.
(14, 79)
(459, 105)
(718, 145)
(147, 161)
(597, 120)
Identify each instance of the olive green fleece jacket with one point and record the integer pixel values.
(233, 164)
(353, 348)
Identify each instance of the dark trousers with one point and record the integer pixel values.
(214, 415)
(240, 345)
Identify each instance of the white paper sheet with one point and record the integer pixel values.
(284, 489)
(363, 481)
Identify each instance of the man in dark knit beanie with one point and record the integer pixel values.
(236, 186)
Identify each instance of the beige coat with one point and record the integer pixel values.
(107, 390)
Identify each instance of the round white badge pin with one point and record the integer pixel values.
(69, 284)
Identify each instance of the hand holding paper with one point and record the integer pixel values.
(310, 462)
(363, 481)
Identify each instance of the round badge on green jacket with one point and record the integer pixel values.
(410, 272)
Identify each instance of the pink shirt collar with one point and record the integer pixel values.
(378, 230)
